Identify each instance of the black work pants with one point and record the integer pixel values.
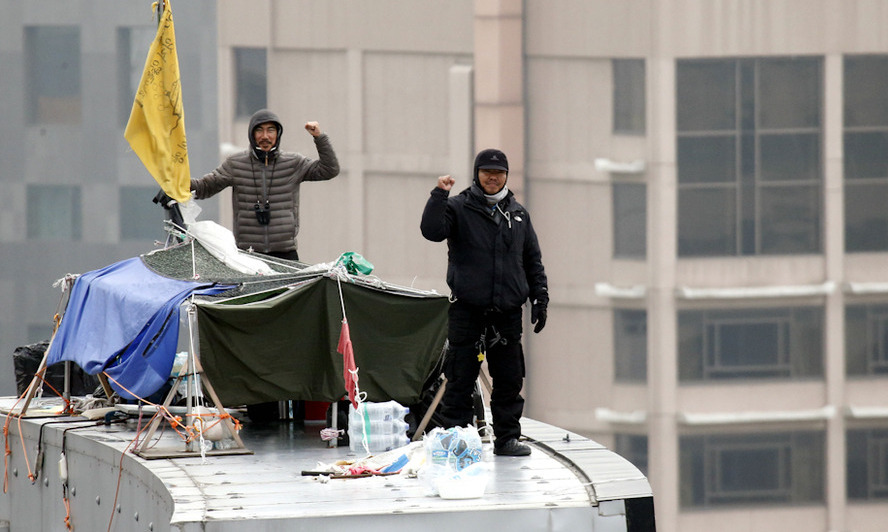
(501, 334)
(286, 255)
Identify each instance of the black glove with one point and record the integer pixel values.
(171, 206)
(163, 199)
(538, 316)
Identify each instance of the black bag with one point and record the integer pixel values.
(26, 360)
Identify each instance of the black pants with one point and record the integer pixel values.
(501, 333)
(286, 255)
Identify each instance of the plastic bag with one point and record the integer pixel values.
(354, 263)
(456, 447)
(453, 467)
(469, 483)
(219, 241)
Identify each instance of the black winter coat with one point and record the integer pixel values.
(494, 258)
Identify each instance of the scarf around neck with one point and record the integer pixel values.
(493, 199)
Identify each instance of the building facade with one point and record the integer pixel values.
(76, 198)
(707, 179)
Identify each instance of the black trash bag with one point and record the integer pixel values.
(264, 413)
(418, 410)
(26, 360)
(426, 398)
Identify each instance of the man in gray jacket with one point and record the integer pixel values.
(265, 185)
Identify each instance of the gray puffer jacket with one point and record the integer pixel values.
(256, 176)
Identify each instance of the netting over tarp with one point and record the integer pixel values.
(185, 260)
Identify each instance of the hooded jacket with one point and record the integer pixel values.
(493, 255)
(256, 176)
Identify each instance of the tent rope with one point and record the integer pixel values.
(360, 397)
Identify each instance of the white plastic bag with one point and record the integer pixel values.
(220, 242)
(469, 483)
(453, 467)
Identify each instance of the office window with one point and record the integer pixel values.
(630, 220)
(132, 50)
(867, 463)
(54, 212)
(634, 448)
(251, 80)
(751, 469)
(784, 343)
(140, 217)
(630, 345)
(629, 96)
(749, 156)
(866, 339)
(52, 62)
(866, 153)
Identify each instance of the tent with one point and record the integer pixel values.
(261, 338)
(285, 346)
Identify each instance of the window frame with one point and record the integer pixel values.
(799, 477)
(714, 348)
(867, 454)
(627, 371)
(37, 210)
(699, 336)
(865, 189)
(629, 96)
(64, 103)
(716, 456)
(738, 187)
(869, 322)
(244, 104)
(628, 243)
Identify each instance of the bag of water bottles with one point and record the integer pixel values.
(377, 427)
(456, 447)
(453, 467)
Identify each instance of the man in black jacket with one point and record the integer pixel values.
(494, 267)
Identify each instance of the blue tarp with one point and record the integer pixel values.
(124, 320)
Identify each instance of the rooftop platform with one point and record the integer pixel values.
(568, 483)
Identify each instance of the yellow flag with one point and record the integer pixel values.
(156, 127)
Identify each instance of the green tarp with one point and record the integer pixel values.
(283, 344)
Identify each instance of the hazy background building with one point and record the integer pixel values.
(708, 180)
(75, 197)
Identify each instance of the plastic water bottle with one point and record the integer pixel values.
(377, 443)
(467, 451)
(455, 448)
(438, 447)
(382, 424)
(379, 427)
(387, 411)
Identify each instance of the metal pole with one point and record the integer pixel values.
(66, 391)
(161, 5)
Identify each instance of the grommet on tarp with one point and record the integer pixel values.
(354, 263)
